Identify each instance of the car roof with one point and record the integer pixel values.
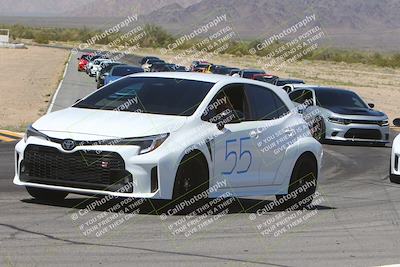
(302, 86)
(102, 59)
(198, 76)
(124, 66)
(213, 78)
(319, 88)
(253, 70)
(264, 75)
(289, 79)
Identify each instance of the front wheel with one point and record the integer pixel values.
(191, 181)
(302, 185)
(46, 194)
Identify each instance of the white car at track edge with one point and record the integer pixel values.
(394, 172)
(170, 136)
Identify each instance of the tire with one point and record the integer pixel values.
(379, 144)
(46, 194)
(192, 178)
(392, 177)
(319, 129)
(304, 173)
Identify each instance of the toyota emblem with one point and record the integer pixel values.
(68, 144)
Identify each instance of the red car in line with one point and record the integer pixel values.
(83, 61)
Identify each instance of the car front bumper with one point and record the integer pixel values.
(395, 166)
(356, 132)
(141, 177)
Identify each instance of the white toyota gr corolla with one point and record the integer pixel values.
(172, 136)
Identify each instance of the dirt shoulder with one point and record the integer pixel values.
(28, 79)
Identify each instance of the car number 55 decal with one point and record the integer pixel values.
(244, 155)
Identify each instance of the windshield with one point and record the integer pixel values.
(342, 98)
(149, 95)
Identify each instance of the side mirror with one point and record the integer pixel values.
(288, 89)
(396, 122)
(371, 105)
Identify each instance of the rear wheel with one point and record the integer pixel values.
(192, 180)
(46, 194)
(302, 185)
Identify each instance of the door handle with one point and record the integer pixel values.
(289, 132)
(254, 134)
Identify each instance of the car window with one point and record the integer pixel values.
(229, 100)
(295, 96)
(149, 95)
(307, 96)
(301, 96)
(264, 103)
(281, 108)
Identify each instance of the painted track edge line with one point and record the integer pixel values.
(53, 99)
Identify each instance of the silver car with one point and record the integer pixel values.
(340, 115)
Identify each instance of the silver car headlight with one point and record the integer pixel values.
(339, 120)
(33, 132)
(384, 123)
(146, 144)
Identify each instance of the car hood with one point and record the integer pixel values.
(90, 124)
(356, 111)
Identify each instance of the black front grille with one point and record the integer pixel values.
(373, 122)
(370, 134)
(98, 170)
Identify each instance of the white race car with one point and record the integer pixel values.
(394, 158)
(169, 136)
(95, 66)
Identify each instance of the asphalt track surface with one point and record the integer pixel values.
(356, 224)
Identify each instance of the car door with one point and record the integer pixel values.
(274, 130)
(234, 154)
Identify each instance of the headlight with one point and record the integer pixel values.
(339, 120)
(146, 144)
(384, 123)
(33, 132)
